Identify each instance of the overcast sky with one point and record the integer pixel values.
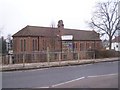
(16, 14)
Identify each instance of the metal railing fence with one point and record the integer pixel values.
(35, 57)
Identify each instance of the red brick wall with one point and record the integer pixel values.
(85, 45)
(44, 42)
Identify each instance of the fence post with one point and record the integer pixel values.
(93, 54)
(10, 59)
(78, 57)
(24, 60)
(59, 59)
(1, 59)
(48, 56)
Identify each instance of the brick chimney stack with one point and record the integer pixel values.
(60, 27)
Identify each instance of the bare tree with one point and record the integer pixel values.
(9, 37)
(2, 41)
(9, 41)
(1, 28)
(52, 34)
(106, 20)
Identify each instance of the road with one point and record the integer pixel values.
(100, 75)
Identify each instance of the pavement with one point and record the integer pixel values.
(27, 66)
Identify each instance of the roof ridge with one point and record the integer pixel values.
(40, 26)
(57, 28)
(78, 29)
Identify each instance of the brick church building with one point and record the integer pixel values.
(33, 39)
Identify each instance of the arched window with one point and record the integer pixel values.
(24, 45)
(21, 45)
(34, 44)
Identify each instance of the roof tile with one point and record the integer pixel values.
(49, 31)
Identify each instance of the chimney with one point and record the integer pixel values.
(60, 27)
(60, 24)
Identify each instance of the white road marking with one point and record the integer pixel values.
(103, 75)
(42, 87)
(67, 82)
(82, 78)
(76, 80)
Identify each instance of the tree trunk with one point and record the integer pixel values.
(110, 42)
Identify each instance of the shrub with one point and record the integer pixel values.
(105, 53)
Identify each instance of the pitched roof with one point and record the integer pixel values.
(34, 31)
(82, 34)
(48, 31)
(116, 39)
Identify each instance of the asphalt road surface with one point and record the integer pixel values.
(98, 75)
